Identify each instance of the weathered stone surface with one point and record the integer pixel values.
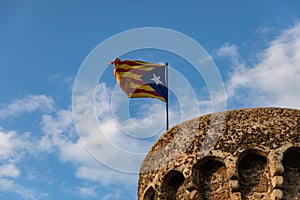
(234, 184)
(235, 196)
(240, 154)
(291, 176)
(276, 195)
(277, 182)
(254, 177)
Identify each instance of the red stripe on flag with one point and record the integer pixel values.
(132, 62)
(135, 81)
(132, 70)
(137, 90)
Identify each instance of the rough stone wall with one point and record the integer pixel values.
(213, 181)
(172, 185)
(291, 184)
(241, 154)
(254, 177)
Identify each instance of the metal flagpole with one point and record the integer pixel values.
(167, 96)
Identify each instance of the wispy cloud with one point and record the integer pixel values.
(58, 137)
(230, 50)
(60, 133)
(55, 76)
(29, 103)
(87, 191)
(13, 148)
(13, 145)
(116, 194)
(9, 185)
(9, 170)
(274, 79)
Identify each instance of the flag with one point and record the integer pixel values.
(139, 79)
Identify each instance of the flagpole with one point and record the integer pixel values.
(167, 96)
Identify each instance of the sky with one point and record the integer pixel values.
(59, 140)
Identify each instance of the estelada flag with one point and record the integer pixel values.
(139, 79)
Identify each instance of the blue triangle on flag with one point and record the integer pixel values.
(156, 79)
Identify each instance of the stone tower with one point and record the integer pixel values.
(240, 154)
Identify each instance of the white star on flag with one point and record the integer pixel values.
(156, 79)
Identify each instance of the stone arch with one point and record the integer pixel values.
(150, 194)
(254, 175)
(213, 179)
(172, 182)
(291, 175)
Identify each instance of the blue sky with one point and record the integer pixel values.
(255, 46)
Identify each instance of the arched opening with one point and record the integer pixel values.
(172, 182)
(213, 180)
(150, 194)
(254, 176)
(291, 176)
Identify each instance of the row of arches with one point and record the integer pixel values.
(211, 182)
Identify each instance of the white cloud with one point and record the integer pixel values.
(106, 175)
(9, 170)
(264, 29)
(116, 195)
(229, 50)
(10, 185)
(58, 123)
(5, 184)
(6, 144)
(60, 136)
(29, 103)
(13, 145)
(102, 136)
(87, 191)
(55, 76)
(274, 79)
(13, 148)
(58, 129)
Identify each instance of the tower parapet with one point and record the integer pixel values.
(248, 154)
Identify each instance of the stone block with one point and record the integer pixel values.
(236, 196)
(276, 169)
(277, 182)
(276, 194)
(234, 184)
